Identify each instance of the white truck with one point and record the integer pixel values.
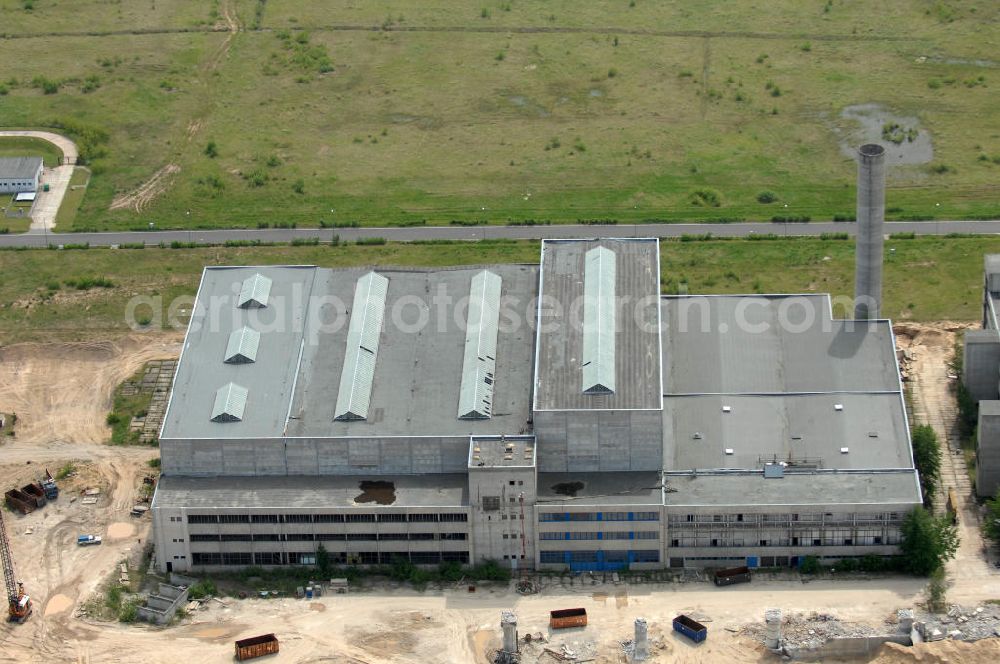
(87, 540)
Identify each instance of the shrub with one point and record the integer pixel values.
(810, 565)
(834, 236)
(305, 241)
(369, 241)
(704, 198)
(154, 463)
(767, 197)
(927, 542)
(941, 169)
(203, 588)
(67, 470)
(211, 150)
(299, 186)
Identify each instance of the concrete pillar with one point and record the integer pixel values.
(772, 628)
(871, 218)
(508, 623)
(641, 652)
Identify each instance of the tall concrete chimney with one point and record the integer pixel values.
(508, 623)
(641, 652)
(871, 215)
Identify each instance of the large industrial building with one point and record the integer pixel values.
(981, 377)
(555, 416)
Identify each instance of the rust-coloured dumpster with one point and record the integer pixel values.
(36, 493)
(563, 618)
(19, 501)
(256, 646)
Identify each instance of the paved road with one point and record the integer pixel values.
(411, 234)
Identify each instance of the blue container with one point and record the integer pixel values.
(692, 629)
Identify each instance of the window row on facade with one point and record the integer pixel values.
(245, 558)
(599, 556)
(459, 517)
(827, 517)
(326, 537)
(598, 516)
(611, 535)
(827, 539)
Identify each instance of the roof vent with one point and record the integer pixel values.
(363, 332)
(242, 346)
(729, 451)
(796, 436)
(475, 397)
(599, 321)
(697, 435)
(727, 409)
(838, 407)
(845, 450)
(230, 402)
(873, 434)
(254, 292)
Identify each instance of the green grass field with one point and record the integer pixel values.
(73, 198)
(528, 109)
(45, 296)
(22, 146)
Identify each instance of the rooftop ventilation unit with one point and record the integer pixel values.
(354, 395)
(773, 471)
(845, 450)
(838, 407)
(599, 321)
(242, 346)
(697, 435)
(254, 292)
(230, 402)
(873, 434)
(475, 398)
(729, 451)
(727, 409)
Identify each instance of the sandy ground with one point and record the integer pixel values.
(62, 392)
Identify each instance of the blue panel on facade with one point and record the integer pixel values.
(753, 562)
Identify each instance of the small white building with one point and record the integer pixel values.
(19, 174)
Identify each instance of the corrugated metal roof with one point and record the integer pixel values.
(242, 346)
(599, 321)
(363, 334)
(19, 167)
(230, 402)
(254, 292)
(475, 400)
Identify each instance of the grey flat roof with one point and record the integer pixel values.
(307, 492)
(791, 428)
(269, 380)
(990, 408)
(737, 344)
(831, 488)
(614, 488)
(559, 373)
(508, 452)
(19, 167)
(418, 372)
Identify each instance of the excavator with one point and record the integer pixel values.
(18, 601)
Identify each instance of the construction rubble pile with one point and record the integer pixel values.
(807, 631)
(801, 631)
(960, 623)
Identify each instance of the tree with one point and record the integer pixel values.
(927, 457)
(936, 590)
(928, 542)
(991, 523)
(323, 561)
